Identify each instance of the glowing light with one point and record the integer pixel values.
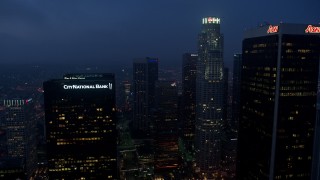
(96, 86)
(210, 20)
(312, 29)
(273, 29)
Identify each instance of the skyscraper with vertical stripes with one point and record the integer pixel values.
(189, 75)
(209, 97)
(279, 81)
(145, 75)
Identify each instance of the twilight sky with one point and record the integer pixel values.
(113, 32)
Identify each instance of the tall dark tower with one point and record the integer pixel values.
(189, 74)
(209, 97)
(279, 81)
(237, 65)
(145, 74)
(166, 158)
(81, 127)
(226, 95)
(17, 127)
(316, 149)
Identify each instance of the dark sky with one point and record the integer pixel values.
(117, 31)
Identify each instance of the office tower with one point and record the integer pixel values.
(12, 169)
(279, 81)
(228, 140)
(124, 93)
(226, 95)
(124, 102)
(166, 156)
(316, 149)
(145, 74)
(189, 74)
(230, 129)
(81, 127)
(237, 65)
(18, 124)
(209, 97)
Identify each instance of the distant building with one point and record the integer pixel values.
(81, 127)
(12, 169)
(237, 66)
(226, 95)
(188, 115)
(124, 95)
(166, 158)
(145, 74)
(18, 156)
(209, 98)
(279, 79)
(124, 101)
(316, 149)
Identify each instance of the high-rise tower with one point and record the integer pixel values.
(18, 124)
(209, 97)
(279, 81)
(145, 75)
(81, 127)
(237, 65)
(167, 160)
(189, 74)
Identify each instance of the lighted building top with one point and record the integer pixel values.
(283, 28)
(15, 102)
(88, 76)
(210, 20)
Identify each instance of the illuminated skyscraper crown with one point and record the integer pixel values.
(210, 20)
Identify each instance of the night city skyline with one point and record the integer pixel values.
(159, 90)
(98, 32)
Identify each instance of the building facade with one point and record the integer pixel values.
(145, 74)
(237, 66)
(81, 127)
(209, 97)
(166, 156)
(279, 81)
(189, 75)
(18, 130)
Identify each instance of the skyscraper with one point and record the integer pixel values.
(226, 95)
(189, 74)
(81, 127)
(166, 158)
(145, 74)
(209, 97)
(279, 81)
(124, 94)
(18, 124)
(316, 149)
(237, 65)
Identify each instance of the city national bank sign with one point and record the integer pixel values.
(91, 86)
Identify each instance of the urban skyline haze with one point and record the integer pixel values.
(116, 32)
